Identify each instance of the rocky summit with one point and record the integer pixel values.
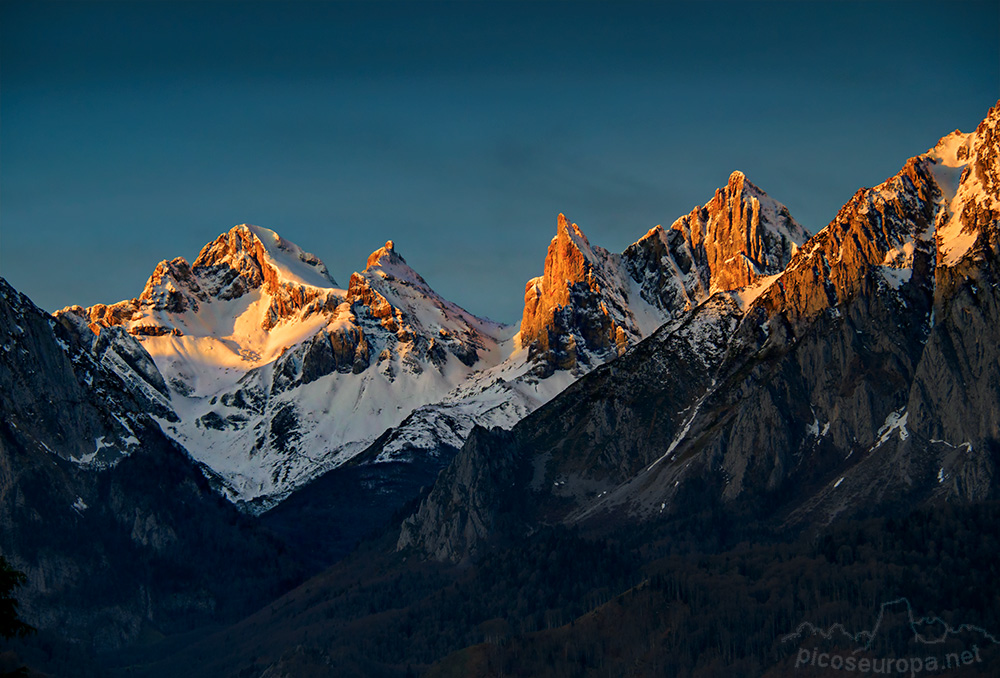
(591, 305)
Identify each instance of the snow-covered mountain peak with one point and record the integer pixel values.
(248, 257)
(903, 233)
(392, 295)
(256, 347)
(294, 264)
(985, 157)
(952, 150)
(172, 287)
(242, 285)
(249, 296)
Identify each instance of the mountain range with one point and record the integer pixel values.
(274, 374)
(728, 377)
(864, 373)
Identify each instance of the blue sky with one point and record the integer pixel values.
(131, 133)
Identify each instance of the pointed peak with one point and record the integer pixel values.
(175, 273)
(657, 233)
(234, 241)
(265, 247)
(742, 234)
(386, 263)
(237, 237)
(739, 189)
(291, 260)
(384, 256)
(567, 230)
(739, 185)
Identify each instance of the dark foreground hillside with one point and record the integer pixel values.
(557, 604)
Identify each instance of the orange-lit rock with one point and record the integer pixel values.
(567, 300)
(592, 304)
(728, 235)
(236, 262)
(840, 262)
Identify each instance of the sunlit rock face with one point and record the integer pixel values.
(740, 235)
(243, 260)
(590, 305)
(566, 317)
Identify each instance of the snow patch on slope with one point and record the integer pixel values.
(747, 295)
(895, 421)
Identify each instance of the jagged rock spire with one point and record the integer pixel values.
(589, 304)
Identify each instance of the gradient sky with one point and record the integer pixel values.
(131, 133)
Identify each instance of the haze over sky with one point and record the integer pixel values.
(131, 133)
